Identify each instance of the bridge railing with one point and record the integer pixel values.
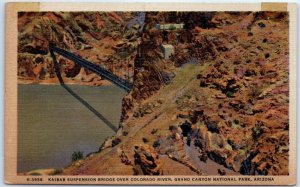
(122, 83)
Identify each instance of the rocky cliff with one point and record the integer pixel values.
(219, 104)
(104, 38)
(239, 109)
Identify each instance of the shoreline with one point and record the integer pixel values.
(54, 81)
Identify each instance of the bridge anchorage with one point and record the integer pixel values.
(104, 73)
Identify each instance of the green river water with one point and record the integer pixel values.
(54, 121)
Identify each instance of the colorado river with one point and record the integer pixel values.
(54, 121)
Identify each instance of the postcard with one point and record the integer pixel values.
(150, 93)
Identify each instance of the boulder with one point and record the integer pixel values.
(146, 161)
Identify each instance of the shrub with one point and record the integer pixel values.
(77, 155)
(156, 144)
(145, 140)
(212, 126)
(154, 131)
(261, 25)
(115, 142)
(35, 173)
(236, 121)
(172, 27)
(57, 171)
(229, 94)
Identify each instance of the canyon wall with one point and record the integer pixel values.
(238, 110)
(224, 88)
(104, 38)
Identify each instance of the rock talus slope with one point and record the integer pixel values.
(228, 95)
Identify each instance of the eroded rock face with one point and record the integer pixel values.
(242, 92)
(146, 161)
(100, 37)
(236, 105)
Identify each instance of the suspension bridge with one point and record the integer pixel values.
(103, 72)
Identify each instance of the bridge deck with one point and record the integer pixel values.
(92, 67)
